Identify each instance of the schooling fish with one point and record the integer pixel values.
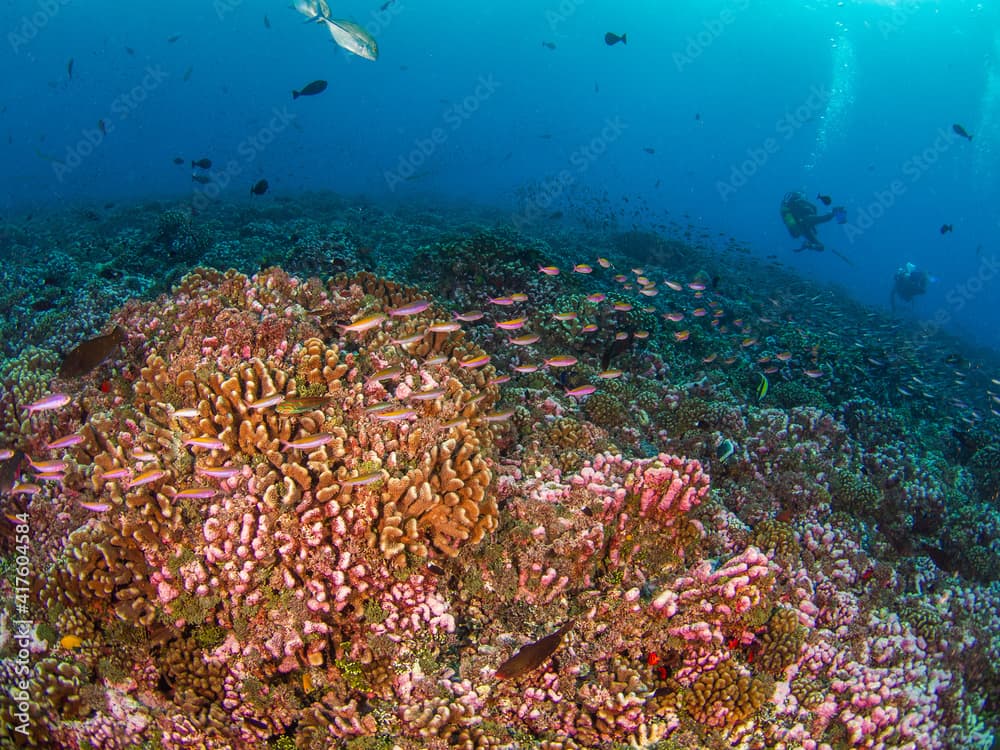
(259, 187)
(612, 39)
(88, 354)
(352, 37)
(529, 658)
(316, 87)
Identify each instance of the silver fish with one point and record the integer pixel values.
(352, 37)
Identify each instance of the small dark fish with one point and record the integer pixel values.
(9, 470)
(616, 347)
(649, 150)
(530, 657)
(959, 130)
(549, 45)
(130, 51)
(259, 187)
(69, 68)
(827, 200)
(255, 722)
(172, 39)
(612, 39)
(202, 164)
(201, 179)
(945, 228)
(436, 569)
(316, 87)
(178, 160)
(267, 23)
(102, 127)
(555, 215)
(88, 354)
(187, 73)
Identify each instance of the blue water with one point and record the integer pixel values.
(740, 100)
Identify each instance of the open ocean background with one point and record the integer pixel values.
(740, 100)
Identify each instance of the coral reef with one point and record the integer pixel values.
(315, 513)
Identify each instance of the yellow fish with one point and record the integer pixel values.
(70, 641)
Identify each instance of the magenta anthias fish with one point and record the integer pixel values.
(147, 477)
(52, 401)
(411, 308)
(64, 442)
(473, 362)
(563, 361)
(218, 472)
(95, 507)
(580, 391)
(208, 443)
(308, 442)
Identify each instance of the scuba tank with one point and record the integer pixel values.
(787, 216)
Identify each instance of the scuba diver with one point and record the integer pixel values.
(801, 218)
(908, 282)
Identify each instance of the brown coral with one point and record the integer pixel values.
(779, 645)
(723, 697)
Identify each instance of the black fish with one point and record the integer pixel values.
(69, 68)
(827, 200)
(961, 131)
(259, 187)
(945, 228)
(616, 347)
(178, 160)
(549, 45)
(202, 164)
(88, 354)
(612, 39)
(102, 127)
(267, 23)
(130, 50)
(9, 470)
(316, 87)
(201, 179)
(172, 39)
(649, 150)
